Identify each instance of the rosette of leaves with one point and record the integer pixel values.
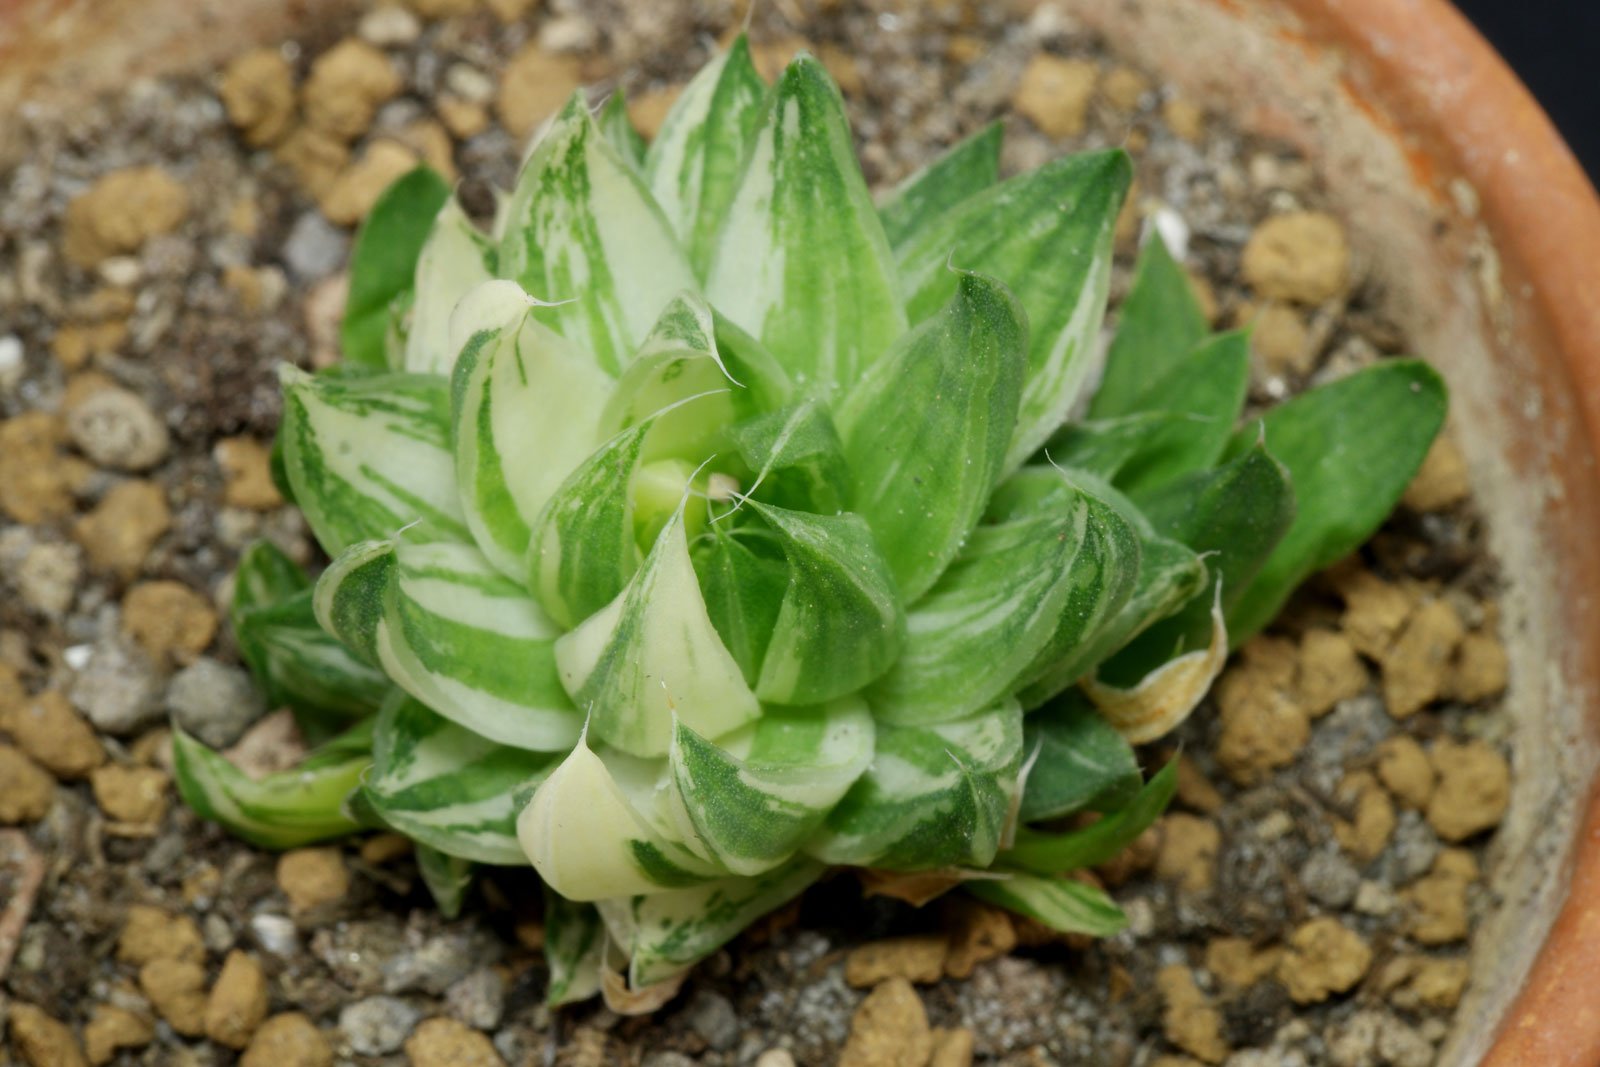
(704, 526)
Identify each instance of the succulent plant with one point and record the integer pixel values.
(707, 526)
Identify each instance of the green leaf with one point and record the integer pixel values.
(474, 647)
(582, 232)
(574, 947)
(447, 787)
(1079, 762)
(367, 455)
(1060, 903)
(797, 456)
(923, 481)
(385, 259)
(1235, 515)
(934, 796)
(1047, 557)
(801, 260)
(755, 798)
(1100, 841)
(1048, 234)
(1351, 447)
(284, 810)
(618, 129)
(969, 167)
(840, 624)
(1160, 323)
(456, 259)
(652, 653)
(693, 165)
(447, 877)
(1203, 396)
(1103, 447)
(666, 933)
(526, 407)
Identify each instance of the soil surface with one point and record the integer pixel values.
(1308, 900)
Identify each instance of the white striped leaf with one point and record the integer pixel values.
(474, 647)
(665, 933)
(1059, 903)
(653, 653)
(352, 594)
(583, 232)
(447, 877)
(797, 456)
(1170, 575)
(456, 259)
(574, 947)
(299, 665)
(368, 454)
(694, 163)
(592, 834)
(840, 624)
(526, 410)
(680, 360)
(1048, 233)
(284, 810)
(935, 796)
(1044, 559)
(584, 548)
(294, 660)
(968, 168)
(755, 798)
(801, 260)
(585, 543)
(447, 787)
(923, 478)
(618, 128)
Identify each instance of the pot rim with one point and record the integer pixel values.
(1437, 72)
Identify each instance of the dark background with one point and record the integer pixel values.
(1554, 46)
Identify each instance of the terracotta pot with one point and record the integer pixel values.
(1480, 236)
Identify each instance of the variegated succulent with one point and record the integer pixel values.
(706, 526)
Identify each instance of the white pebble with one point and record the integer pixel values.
(388, 26)
(469, 83)
(117, 429)
(568, 33)
(11, 364)
(76, 657)
(123, 272)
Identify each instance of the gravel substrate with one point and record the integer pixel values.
(1309, 899)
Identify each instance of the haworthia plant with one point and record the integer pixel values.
(707, 525)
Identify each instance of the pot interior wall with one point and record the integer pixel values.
(1427, 250)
